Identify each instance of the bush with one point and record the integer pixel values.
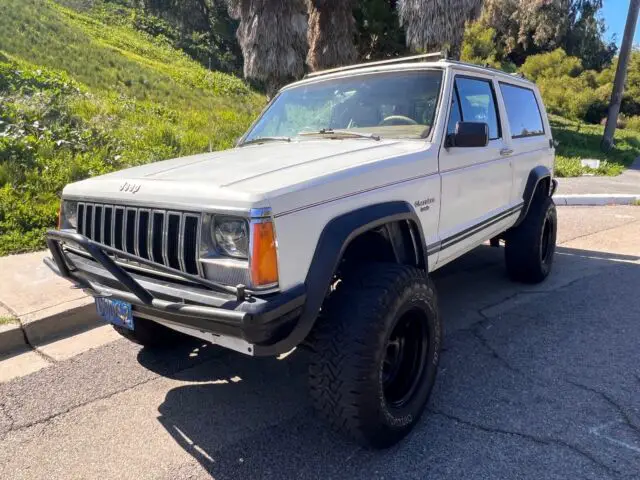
(566, 88)
(633, 123)
(556, 64)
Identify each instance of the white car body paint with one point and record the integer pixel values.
(309, 182)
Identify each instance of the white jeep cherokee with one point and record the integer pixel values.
(322, 226)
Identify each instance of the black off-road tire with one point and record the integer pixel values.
(350, 368)
(530, 247)
(150, 334)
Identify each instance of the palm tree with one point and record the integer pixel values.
(332, 29)
(436, 24)
(273, 38)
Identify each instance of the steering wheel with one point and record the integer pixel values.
(397, 120)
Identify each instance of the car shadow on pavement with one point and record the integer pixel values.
(541, 381)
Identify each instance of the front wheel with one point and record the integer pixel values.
(530, 247)
(375, 353)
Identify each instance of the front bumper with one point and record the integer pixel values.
(267, 323)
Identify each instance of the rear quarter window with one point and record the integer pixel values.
(523, 111)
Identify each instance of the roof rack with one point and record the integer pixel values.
(439, 55)
(485, 67)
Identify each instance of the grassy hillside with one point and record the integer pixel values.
(83, 93)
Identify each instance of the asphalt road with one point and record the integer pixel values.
(535, 382)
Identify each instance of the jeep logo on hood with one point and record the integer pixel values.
(129, 187)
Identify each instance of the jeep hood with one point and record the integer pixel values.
(236, 177)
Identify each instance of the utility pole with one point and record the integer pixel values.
(621, 73)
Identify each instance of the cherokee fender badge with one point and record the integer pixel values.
(424, 204)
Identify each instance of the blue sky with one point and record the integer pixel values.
(614, 13)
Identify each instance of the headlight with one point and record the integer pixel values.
(68, 215)
(231, 236)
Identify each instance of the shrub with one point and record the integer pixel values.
(633, 123)
(556, 64)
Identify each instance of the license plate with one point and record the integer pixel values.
(115, 311)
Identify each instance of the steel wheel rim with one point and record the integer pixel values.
(405, 358)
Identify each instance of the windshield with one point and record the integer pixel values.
(387, 105)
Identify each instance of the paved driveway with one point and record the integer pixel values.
(535, 382)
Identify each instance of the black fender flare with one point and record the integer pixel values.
(536, 175)
(332, 243)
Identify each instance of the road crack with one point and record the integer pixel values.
(546, 441)
(494, 353)
(615, 405)
(53, 416)
(5, 411)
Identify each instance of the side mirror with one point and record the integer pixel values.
(469, 134)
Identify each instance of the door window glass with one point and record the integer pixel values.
(478, 103)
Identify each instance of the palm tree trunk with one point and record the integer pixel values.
(331, 34)
(273, 38)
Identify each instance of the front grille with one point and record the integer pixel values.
(165, 237)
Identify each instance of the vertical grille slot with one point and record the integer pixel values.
(88, 221)
(143, 234)
(107, 229)
(118, 233)
(167, 238)
(173, 239)
(81, 218)
(130, 231)
(97, 223)
(157, 237)
(190, 239)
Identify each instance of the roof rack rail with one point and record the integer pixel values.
(497, 70)
(439, 55)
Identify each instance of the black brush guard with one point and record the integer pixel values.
(264, 321)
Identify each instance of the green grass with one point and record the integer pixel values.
(7, 320)
(579, 140)
(81, 95)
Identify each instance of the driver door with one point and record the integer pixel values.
(476, 181)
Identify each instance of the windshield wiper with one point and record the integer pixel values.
(265, 140)
(341, 134)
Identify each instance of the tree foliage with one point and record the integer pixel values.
(480, 47)
(201, 28)
(379, 34)
(528, 27)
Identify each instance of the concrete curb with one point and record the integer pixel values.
(11, 338)
(54, 325)
(597, 199)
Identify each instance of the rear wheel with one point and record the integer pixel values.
(150, 334)
(530, 247)
(375, 353)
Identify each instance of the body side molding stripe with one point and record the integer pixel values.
(468, 232)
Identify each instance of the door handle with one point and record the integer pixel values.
(506, 151)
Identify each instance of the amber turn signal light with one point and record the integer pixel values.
(264, 260)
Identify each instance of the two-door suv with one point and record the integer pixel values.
(321, 227)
